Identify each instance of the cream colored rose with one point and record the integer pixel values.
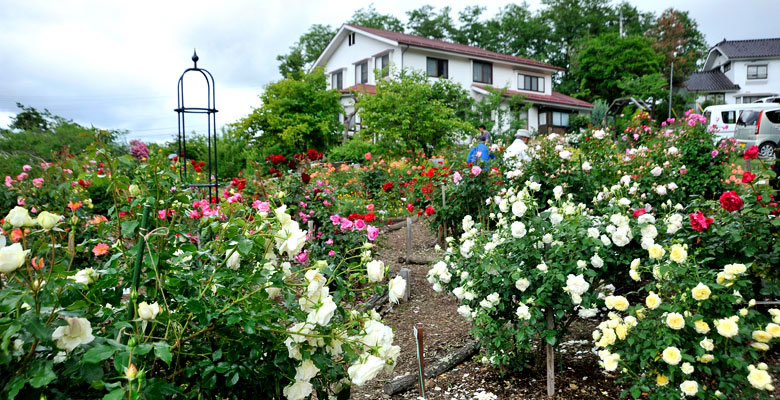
(661, 380)
(675, 321)
(148, 311)
(298, 390)
(47, 220)
(678, 253)
(19, 217)
(655, 251)
(617, 302)
(12, 257)
(306, 371)
(375, 270)
(701, 327)
(621, 331)
(652, 301)
(86, 276)
(323, 313)
(672, 355)
(707, 358)
(726, 327)
(77, 332)
(762, 336)
(760, 346)
(686, 368)
(233, 259)
(701, 292)
(773, 329)
(689, 388)
(758, 378)
(134, 190)
(362, 372)
(707, 344)
(396, 289)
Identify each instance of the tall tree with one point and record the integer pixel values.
(425, 22)
(635, 22)
(408, 111)
(517, 31)
(570, 21)
(305, 51)
(606, 59)
(295, 114)
(371, 18)
(676, 32)
(471, 30)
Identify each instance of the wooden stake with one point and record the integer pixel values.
(550, 356)
(443, 224)
(418, 337)
(406, 273)
(408, 237)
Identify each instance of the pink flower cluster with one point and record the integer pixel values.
(203, 208)
(345, 224)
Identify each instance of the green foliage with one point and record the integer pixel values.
(371, 18)
(305, 51)
(295, 114)
(352, 151)
(501, 114)
(598, 113)
(425, 22)
(606, 59)
(676, 35)
(411, 113)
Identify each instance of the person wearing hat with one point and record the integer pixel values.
(517, 151)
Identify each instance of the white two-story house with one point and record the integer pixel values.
(738, 71)
(356, 52)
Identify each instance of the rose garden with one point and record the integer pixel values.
(119, 282)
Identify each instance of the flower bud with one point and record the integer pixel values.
(134, 190)
(131, 372)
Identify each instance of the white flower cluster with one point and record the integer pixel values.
(576, 286)
(490, 301)
(439, 274)
(729, 273)
(290, 238)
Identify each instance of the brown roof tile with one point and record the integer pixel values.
(555, 98)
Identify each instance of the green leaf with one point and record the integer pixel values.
(244, 246)
(116, 394)
(13, 386)
(551, 340)
(128, 227)
(142, 349)
(98, 354)
(635, 392)
(41, 373)
(91, 373)
(163, 352)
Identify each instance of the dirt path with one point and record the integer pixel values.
(577, 374)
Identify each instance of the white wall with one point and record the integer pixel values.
(365, 47)
(758, 86)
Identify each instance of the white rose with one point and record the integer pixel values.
(233, 259)
(557, 192)
(19, 217)
(661, 190)
(375, 270)
(519, 209)
(566, 154)
(77, 332)
(12, 257)
(323, 313)
(86, 276)
(290, 238)
(689, 388)
(518, 229)
(148, 311)
(523, 312)
(599, 134)
(464, 311)
(396, 289)
(586, 166)
(596, 261)
(47, 220)
(649, 231)
(542, 267)
(306, 371)
(298, 390)
(547, 238)
(362, 372)
(657, 171)
(522, 284)
(593, 232)
(556, 218)
(587, 312)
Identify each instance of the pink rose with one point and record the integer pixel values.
(331, 253)
(476, 170)
(373, 232)
(26, 167)
(345, 224)
(368, 156)
(335, 219)
(370, 207)
(21, 176)
(329, 241)
(161, 214)
(456, 177)
(360, 224)
(9, 181)
(20, 201)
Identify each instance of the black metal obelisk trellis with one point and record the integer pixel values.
(211, 135)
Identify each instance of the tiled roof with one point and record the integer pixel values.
(555, 98)
(750, 48)
(709, 81)
(360, 88)
(418, 41)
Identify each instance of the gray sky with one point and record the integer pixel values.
(114, 65)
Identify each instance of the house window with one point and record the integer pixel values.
(560, 118)
(483, 72)
(727, 67)
(756, 71)
(751, 99)
(351, 38)
(542, 118)
(530, 82)
(361, 72)
(337, 80)
(381, 63)
(437, 67)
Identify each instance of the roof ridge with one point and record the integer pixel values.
(747, 40)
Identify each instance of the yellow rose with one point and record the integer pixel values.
(701, 292)
(662, 380)
(706, 358)
(655, 251)
(672, 355)
(701, 327)
(773, 330)
(760, 346)
(621, 331)
(762, 336)
(677, 253)
(727, 328)
(620, 303)
(652, 301)
(689, 388)
(720, 278)
(760, 379)
(675, 321)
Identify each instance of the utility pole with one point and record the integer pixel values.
(621, 21)
(671, 83)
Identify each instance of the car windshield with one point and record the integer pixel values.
(748, 117)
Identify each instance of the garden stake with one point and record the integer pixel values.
(408, 239)
(139, 258)
(550, 356)
(418, 338)
(444, 221)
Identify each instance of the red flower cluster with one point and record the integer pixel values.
(731, 201)
(240, 184)
(276, 158)
(700, 222)
(306, 178)
(368, 217)
(388, 186)
(197, 165)
(429, 211)
(84, 183)
(751, 153)
(275, 172)
(748, 177)
(639, 212)
(314, 155)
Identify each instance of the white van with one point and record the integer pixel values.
(722, 119)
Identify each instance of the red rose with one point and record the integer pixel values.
(731, 201)
(748, 177)
(369, 217)
(700, 222)
(410, 207)
(387, 186)
(429, 211)
(751, 153)
(638, 212)
(305, 178)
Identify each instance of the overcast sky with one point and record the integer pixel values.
(115, 65)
